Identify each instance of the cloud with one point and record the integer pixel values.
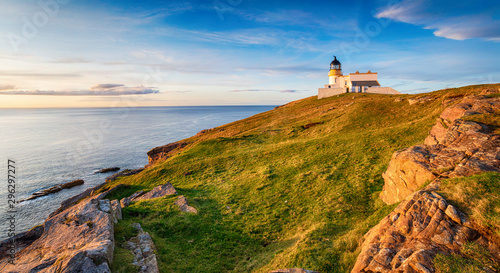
(98, 90)
(448, 19)
(4, 87)
(105, 86)
(267, 90)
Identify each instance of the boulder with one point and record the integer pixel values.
(54, 189)
(156, 192)
(407, 172)
(408, 239)
(77, 239)
(124, 202)
(143, 248)
(183, 205)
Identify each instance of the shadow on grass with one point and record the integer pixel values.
(203, 242)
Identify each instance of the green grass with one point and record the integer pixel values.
(477, 196)
(273, 192)
(473, 258)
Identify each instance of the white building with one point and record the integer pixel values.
(352, 83)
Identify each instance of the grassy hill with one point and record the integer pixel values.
(296, 186)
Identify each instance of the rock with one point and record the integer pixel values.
(293, 270)
(116, 211)
(78, 239)
(420, 100)
(54, 189)
(408, 170)
(143, 249)
(108, 170)
(183, 205)
(164, 152)
(124, 202)
(88, 192)
(123, 173)
(20, 241)
(490, 91)
(454, 148)
(156, 192)
(408, 238)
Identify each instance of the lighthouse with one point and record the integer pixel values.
(335, 71)
(352, 83)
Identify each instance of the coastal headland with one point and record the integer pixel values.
(351, 183)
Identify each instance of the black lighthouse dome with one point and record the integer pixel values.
(335, 64)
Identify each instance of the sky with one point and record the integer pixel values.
(69, 53)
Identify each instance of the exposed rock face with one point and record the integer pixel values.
(407, 171)
(183, 205)
(20, 241)
(123, 173)
(124, 202)
(424, 224)
(408, 239)
(454, 148)
(54, 189)
(143, 248)
(108, 170)
(163, 152)
(77, 239)
(420, 100)
(156, 192)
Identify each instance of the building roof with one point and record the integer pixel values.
(365, 83)
(335, 61)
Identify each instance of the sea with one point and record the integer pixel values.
(47, 147)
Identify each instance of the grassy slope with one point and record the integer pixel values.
(271, 194)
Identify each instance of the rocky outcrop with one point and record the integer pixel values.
(164, 152)
(143, 249)
(424, 224)
(156, 192)
(455, 147)
(20, 241)
(54, 189)
(124, 202)
(123, 173)
(108, 170)
(77, 239)
(183, 205)
(420, 227)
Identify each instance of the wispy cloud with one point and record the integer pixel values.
(267, 90)
(447, 18)
(105, 86)
(6, 87)
(98, 90)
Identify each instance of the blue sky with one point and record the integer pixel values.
(68, 53)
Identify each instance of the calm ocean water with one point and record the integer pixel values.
(53, 146)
